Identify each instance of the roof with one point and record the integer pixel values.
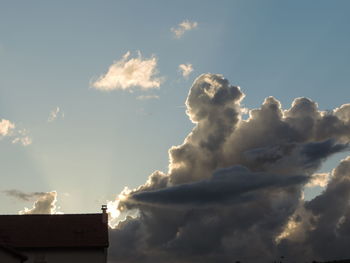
(13, 252)
(53, 231)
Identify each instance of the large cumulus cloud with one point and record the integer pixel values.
(234, 188)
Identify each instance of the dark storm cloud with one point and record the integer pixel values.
(227, 186)
(305, 156)
(234, 188)
(316, 151)
(323, 224)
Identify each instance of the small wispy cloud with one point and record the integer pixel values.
(23, 196)
(9, 130)
(21, 136)
(54, 114)
(185, 69)
(184, 26)
(128, 73)
(5, 127)
(319, 179)
(25, 141)
(147, 97)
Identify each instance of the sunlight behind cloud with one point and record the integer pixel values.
(116, 213)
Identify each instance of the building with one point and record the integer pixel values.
(54, 238)
(10, 255)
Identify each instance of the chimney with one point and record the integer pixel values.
(104, 214)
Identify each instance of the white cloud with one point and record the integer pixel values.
(54, 114)
(318, 179)
(186, 69)
(147, 97)
(9, 130)
(25, 141)
(184, 26)
(21, 137)
(130, 72)
(5, 127)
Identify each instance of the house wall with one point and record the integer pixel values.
(91, 255)
(8, 258)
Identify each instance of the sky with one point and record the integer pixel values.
(88, 139)
(98, 95)
(51, 52)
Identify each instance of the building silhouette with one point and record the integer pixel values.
(54, 238)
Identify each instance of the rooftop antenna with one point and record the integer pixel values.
(104, 214)
(104, 209)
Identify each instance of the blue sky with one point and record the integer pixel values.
(52, 51)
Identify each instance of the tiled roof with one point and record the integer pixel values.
(70, 230)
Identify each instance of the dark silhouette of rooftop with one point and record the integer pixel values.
(54, 231)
